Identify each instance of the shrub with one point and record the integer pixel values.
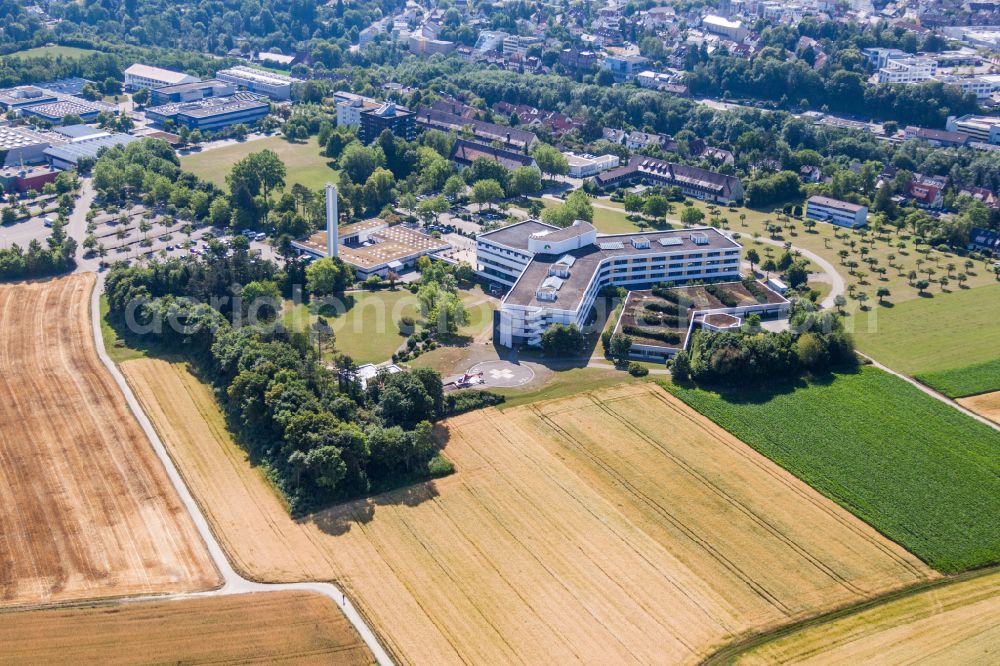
(407, 325)
(669, 337)
(637, 370)
(562, 340)
(439, 466)
(662, 308)
(722, 295)
(754, 288)
(468, 400)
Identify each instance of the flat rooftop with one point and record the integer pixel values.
(836, 204)
(516, 235)
(589, 258)
(396, 243)
(210, 106)
(258, 76)
(16, 137)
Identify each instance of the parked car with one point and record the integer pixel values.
(260, 237)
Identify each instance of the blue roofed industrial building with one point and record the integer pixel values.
(211, 113)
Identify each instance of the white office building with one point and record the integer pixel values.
(734, 30)
(349, 107)
(834, 211)
(556, 274)
(584, 166)
(140, 76)
(908, 70)
(275, 86)
(978, 128)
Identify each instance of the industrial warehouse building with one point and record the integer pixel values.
(139, 76)
(555, 274)
(211, 113)
(275, 86)
(191, 92)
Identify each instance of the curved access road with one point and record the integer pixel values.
(837, 284)
(233, 583)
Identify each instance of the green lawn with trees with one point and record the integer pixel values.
(365, 327)
(919, 471)
(969, 380)
(932, 334)
(303, 161)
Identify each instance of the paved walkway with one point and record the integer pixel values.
(233, 583)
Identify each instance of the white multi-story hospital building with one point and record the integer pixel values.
(555, 274)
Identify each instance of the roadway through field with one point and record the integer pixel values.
(234, 583)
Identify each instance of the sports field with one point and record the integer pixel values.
(270, 627)
(984, 404)
(954, 623)
(557, 539)
(88, 510)
(968, 380)
(303, 161)
(931, 334)
(915, 468)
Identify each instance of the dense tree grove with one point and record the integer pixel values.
(56, 256)
(322, 437)
(815, 342)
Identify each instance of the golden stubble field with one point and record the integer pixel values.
(950, 624)
(86, 509)
(272, 627)
(986, 405)
(617, 526)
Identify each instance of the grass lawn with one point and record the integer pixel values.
(365, 323)
(564, 383)
(118, 350)
(822, 241)
(303, 161)
(962, 382)
(53, 51)
(606, 221)
(933, 334)
(919, 471)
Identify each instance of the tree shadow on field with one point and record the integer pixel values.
(761, 392)
(340, 519)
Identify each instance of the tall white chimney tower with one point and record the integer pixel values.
(332, 222)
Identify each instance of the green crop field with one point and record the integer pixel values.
(54, 51)
(932, 334)
(919, 471)
(970, 380)
(303, 161)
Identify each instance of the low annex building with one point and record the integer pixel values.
(373, 247)
(555, 273)
(693, 181)
(834, 211)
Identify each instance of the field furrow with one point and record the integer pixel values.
(88, 510)
(577, 530)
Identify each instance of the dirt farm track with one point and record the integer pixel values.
(613, 527)
(87, 510)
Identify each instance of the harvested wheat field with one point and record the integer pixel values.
(88, 510)
(618, 526)
(269, 627)
(986, 405)
(950, 624)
